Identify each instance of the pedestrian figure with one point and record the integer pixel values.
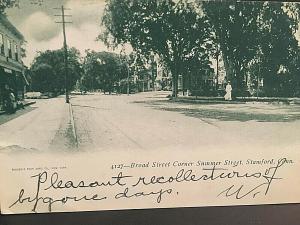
(10, 100)
(228, 92)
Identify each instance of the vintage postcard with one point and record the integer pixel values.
(114, 105)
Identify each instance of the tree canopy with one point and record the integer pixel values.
(102, 70)
(174, 30)
(260, 33)
(47, 70)
(279, 49)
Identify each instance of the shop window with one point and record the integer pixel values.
(9, 48)
(16, 53)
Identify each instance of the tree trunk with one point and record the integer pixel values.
(175, 85)
(240, 78)
(153, 83)
(175, 81)
(228, 68)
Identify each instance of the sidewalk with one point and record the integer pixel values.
(238, 100)
(44, 127)
(26, 102)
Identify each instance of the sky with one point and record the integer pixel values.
(37, 24)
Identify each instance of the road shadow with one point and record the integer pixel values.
(235, 116)
(4, 118)
(255, 113)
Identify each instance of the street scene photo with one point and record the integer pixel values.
(178, 75)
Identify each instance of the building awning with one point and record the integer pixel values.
(13, 72)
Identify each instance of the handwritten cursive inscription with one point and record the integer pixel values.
(250, 184)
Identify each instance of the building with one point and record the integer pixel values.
(12, 69)
(164, 78)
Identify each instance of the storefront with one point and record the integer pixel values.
(15, 81)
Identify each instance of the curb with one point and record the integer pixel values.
(73, 124)
(206, 101)
(237, 101)
(29, 103)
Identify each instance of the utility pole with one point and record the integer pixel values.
(64, 22)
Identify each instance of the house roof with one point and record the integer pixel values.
(11, 27)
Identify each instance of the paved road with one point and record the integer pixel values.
(148, 121)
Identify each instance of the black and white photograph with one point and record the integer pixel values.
(157, 107)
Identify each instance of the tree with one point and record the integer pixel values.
(44, 78)
(102, 70)
(279, 49)
(48, 68)
(261, 33)
(236, 32)
(174, 30)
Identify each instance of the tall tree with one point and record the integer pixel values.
(261, 33)
(279, 48)
(174, 30)
(236, 32)
(102, 70)
(48, 68)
